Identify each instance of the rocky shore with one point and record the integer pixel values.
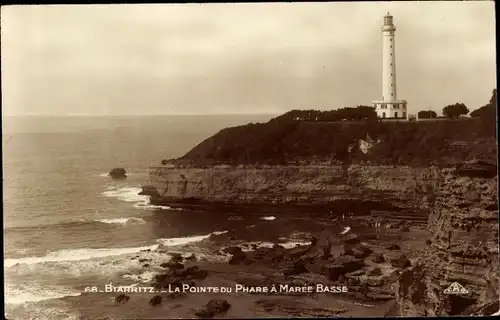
(335, 274)
(410, 271)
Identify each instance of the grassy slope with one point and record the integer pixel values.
(412, 143)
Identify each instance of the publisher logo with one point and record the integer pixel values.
(456, 288)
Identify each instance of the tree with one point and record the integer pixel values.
(351, 114)
(354, 114)
(426, 114)
(489, 110)
(487, 115)
(484, 111)
(493, 100)
(455, 110)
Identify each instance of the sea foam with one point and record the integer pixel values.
(346, 230)
(131, 194)
(249, 246)
(121, 220)
(87, 254)
(268, 218)
(144, 277)
(34, 293)
(171, 242)
(76, 255)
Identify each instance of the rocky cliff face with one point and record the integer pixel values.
(289, 184)
(463, 249)
(463, 205)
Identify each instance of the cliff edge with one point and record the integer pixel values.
(463, 248)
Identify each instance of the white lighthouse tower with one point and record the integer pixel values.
(389, 106)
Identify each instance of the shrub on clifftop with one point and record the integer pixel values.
(455, 110)
(488, 115)
(342, 114)
(426, 114)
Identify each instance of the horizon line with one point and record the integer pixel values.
(140, 115)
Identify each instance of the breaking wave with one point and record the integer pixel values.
(35, 293)
(121, 220)
(76, 255)
(346, 230)
(269, 218)
(171, 242)
(131, 194)
(251, 246)
(144, 277)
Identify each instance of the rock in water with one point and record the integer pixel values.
(156, 300)
(192, 257)
(176, 257)
(232, 250)
(150, 190)
(374, 281)
(393, 246)
(238, 257)
(122, 298)
(213, 308)
(360, 251)
(194, 273)
(173, 265)
(118, 173)
(341, 266)
(378, 258)
(218, 306)
(401, 262)
(351, 239)
(375, 272)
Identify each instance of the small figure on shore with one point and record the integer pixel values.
(377, 228)
(364, 290)
(326, 249)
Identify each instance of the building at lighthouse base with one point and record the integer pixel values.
(391, 108)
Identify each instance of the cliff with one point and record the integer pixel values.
(319, 184)
(463, 248)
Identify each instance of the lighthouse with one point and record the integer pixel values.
(388, 106)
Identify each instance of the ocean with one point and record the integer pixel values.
(67, 225)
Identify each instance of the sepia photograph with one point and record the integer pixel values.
(250, 160)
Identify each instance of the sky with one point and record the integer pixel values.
(241, 58)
